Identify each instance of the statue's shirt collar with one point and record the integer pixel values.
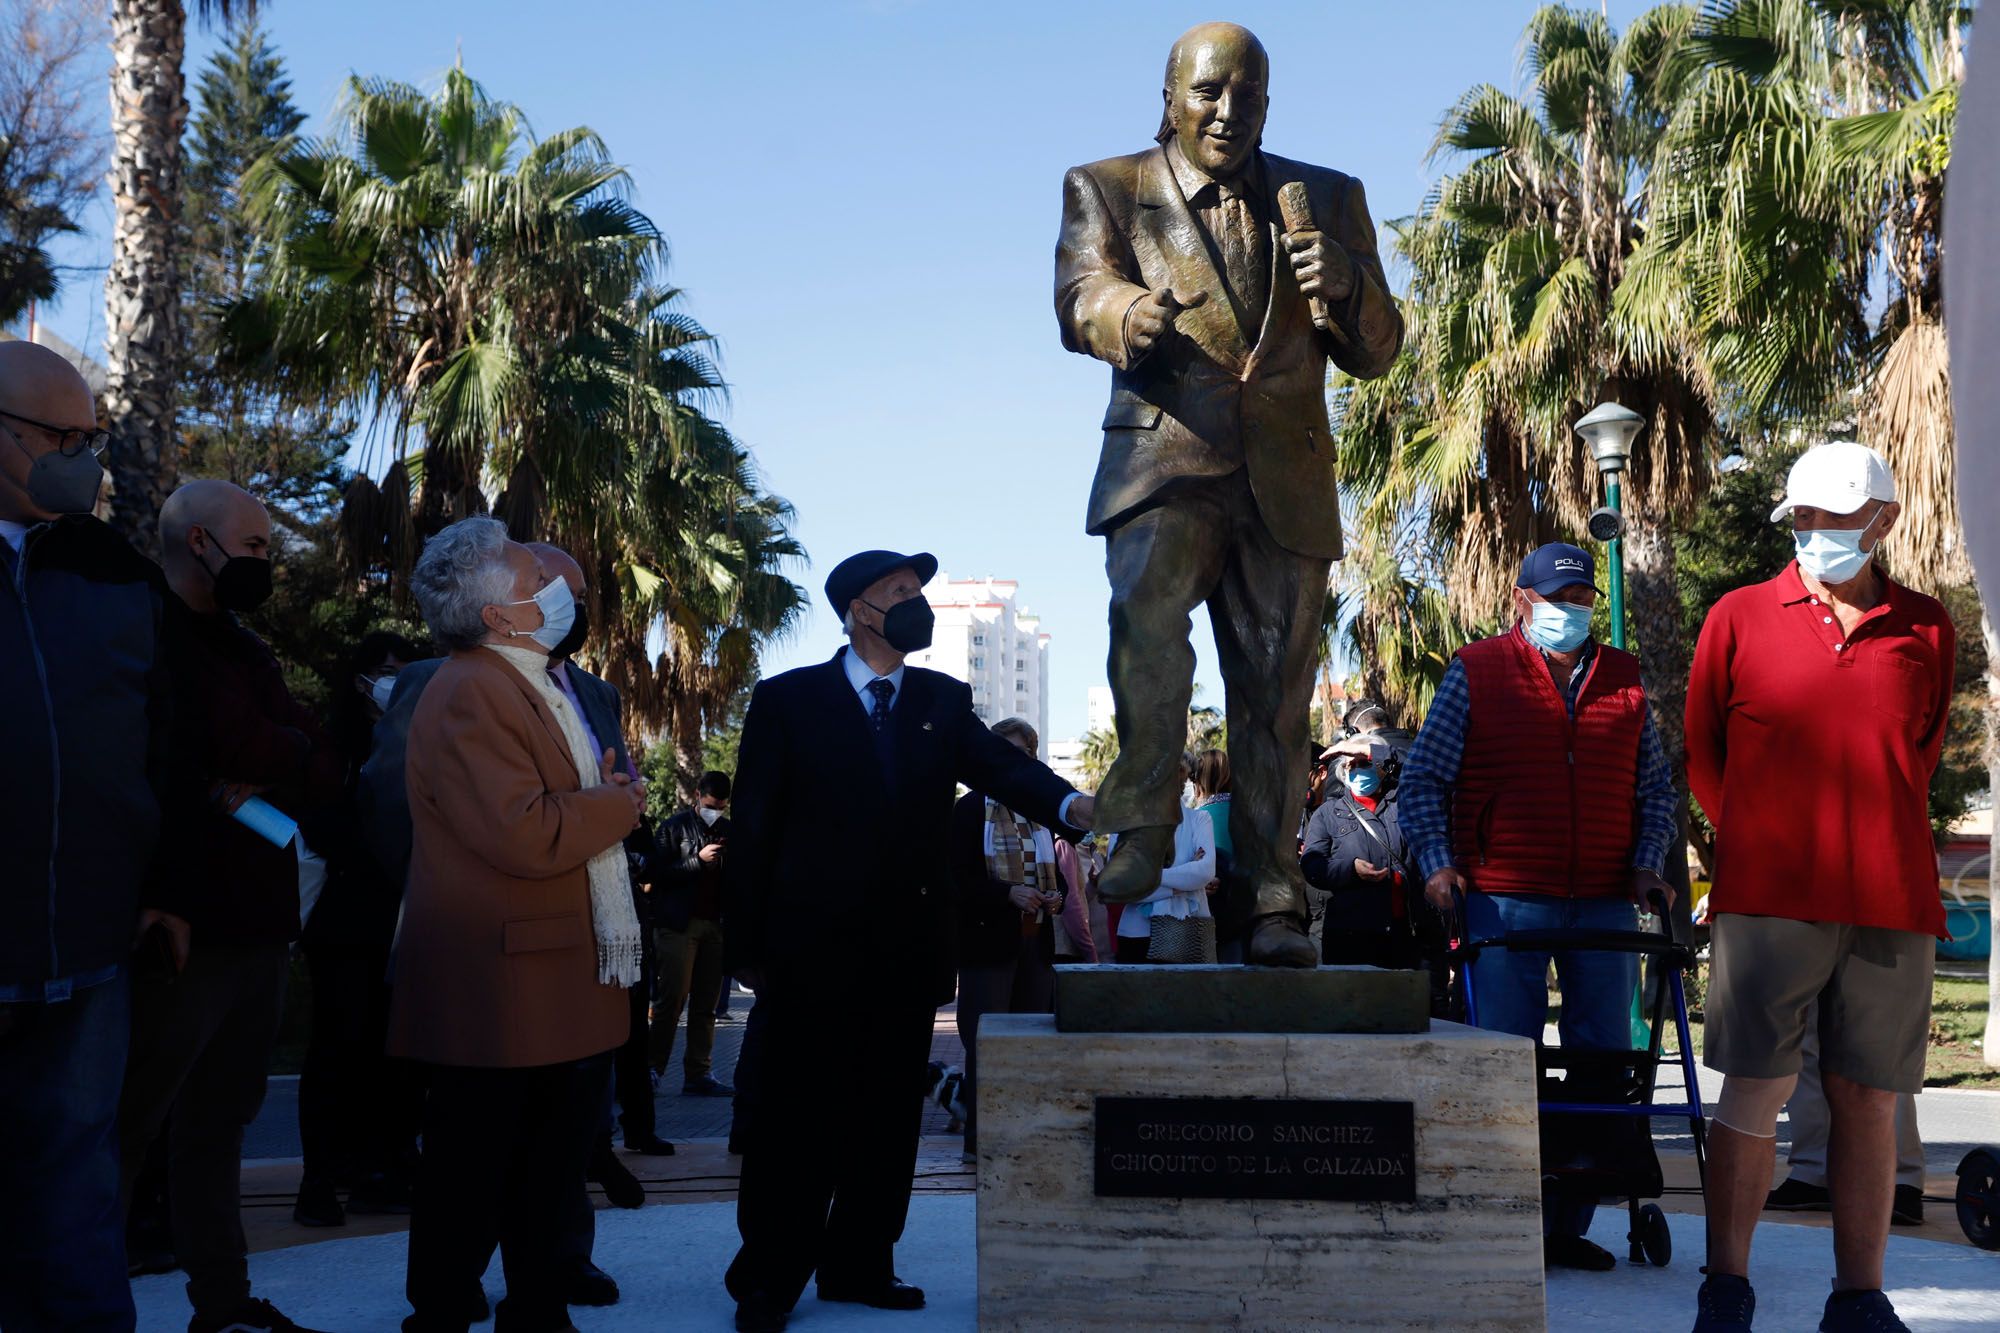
(1203, 191)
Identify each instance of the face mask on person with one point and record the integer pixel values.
(59, 484)
(379, 690)
(579, 630)
(1558, 627)
(244, 581)
(907, 625)
(1832, 556)
(558, 606)
(708, 815)
(1364, 781)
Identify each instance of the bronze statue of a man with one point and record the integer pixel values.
(1216, 483)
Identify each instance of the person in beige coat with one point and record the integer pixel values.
(518, 937)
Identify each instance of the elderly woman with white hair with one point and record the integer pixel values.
(518, 936)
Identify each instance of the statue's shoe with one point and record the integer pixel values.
(1136, 862)
(1279, 942)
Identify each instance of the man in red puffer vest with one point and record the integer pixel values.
(1538, 789)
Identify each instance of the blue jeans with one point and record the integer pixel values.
(1510, 991)
(62, 1264)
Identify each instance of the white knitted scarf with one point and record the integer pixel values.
(612, 919)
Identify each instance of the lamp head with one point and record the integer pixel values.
(1609, 430)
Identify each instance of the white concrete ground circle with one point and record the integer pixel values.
(668, 1260)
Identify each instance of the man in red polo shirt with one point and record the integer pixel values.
(1816, 710)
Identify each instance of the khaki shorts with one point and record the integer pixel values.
(1872, 987)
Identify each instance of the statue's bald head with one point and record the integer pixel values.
(1216, 92)
(559, 563)
(41, 395)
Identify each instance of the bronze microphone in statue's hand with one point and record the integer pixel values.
(1324, 270)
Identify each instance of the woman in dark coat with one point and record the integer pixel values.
(1360, 865)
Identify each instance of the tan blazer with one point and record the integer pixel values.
(496, 965)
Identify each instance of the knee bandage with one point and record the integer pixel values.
(1751, 1105)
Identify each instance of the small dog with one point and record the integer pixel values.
(946, 1087)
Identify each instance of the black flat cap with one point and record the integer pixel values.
(851, 577)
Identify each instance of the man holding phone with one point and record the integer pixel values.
(687, 879)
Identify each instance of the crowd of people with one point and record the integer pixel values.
(501, 947)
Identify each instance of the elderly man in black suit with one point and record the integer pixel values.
(839, 914)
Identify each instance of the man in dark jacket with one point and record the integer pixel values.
(201, 1041)
(839, 905)
(687, 928)
(85, 822)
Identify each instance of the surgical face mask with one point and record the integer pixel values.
(379, 690)
(244, 581)
(907, 625)
(578, 632)
(1558, 627)
(558, 606)
(1364, 782)
(708, 815)
(65, 485)
(1832, 556)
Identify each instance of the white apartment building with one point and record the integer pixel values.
(985, 639)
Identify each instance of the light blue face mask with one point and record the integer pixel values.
(558, 606)
(1832, 556)
(1364, 782)
(1558, 627)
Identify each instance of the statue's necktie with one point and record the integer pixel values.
(883, 691)
(1243, 255)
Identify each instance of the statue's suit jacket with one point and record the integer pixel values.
(1207, 400)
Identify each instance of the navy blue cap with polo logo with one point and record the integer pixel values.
(1556, 566)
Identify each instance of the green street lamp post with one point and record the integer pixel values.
(1609, 430)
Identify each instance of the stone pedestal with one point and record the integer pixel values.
(1057, 1253)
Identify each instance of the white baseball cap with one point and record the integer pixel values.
(1839, 477)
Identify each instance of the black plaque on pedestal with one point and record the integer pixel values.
(1249, 1148)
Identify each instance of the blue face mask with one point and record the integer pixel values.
(558, 606)
(1832, 556)
(1558, 627)
(1364, 782)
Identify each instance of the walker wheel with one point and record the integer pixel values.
(1653, 1236)
(1978, 1197)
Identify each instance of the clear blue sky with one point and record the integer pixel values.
(862, 199)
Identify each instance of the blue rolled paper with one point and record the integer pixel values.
(267, 821)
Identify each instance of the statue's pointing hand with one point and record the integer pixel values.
(1153, 314)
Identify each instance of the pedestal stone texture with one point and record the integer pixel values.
(1379, 1227)
(1225, 997)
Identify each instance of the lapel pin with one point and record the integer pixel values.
(927, 726)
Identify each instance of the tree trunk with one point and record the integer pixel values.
(142, 289)
(1653, 605)
(1991, 1048)
(686, 727)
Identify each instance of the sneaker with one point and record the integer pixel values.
(1795, 1196)
(706, 1086)
(248, 1317)
(1908, 1210)
(1726, 1303)
(1860, 1312)
(318, 1206)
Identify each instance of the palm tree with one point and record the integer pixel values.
(142, 290)
(497, 305)
(1515, 330)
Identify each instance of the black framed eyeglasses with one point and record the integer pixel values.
(70, 440)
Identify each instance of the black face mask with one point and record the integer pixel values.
(243, 583)
(906, 626)
(579, 630)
